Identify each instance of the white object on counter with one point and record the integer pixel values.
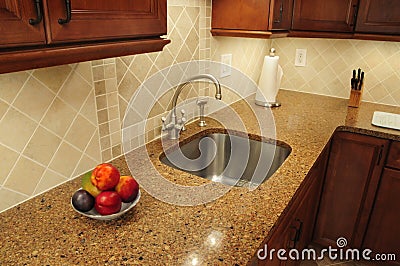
(388, 120)
(270, 81)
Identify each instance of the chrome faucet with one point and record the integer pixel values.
(176, 125)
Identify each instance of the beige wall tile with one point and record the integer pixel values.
(65, 160)
(89, 109)
(16, 129)
(59, 117)
(10, 198)
(50, 179)
(85, 164)
(75, 91)
(25, 176)
(8, 159)
(85, 70)
(34, 99)
(80, 133)
(93, 148)
(3, 108)
(42, 146)
(10, 84)
(53, 77)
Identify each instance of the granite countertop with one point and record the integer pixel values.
(47, 231)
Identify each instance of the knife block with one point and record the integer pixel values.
(355, 97)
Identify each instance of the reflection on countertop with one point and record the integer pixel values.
(227, 231)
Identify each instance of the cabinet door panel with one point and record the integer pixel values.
(383, 231)
(379, 16)
(324, 15)
(281, 17)
(15, 29)
(240, 14)
(103, 19)
(349, 189)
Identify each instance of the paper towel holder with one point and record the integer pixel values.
(269, 104)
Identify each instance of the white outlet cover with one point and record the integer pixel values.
(226, 63)
(301, 57)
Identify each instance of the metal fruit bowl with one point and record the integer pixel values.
(95, 215)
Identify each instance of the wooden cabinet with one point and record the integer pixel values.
(15, 27)
(104, 19)
(383, 232)
(353, 171)
(379, 16)
(255, 18)
(295, 226)
(41, 33)
(324, 15)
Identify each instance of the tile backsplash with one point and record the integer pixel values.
(330, 63)
(57, 123)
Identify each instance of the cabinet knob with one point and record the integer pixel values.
(68, 10)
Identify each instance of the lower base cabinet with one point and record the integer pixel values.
(295, 227)
(383, 231)
(352, 191)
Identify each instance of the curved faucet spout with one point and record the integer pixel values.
(218, 95)
(175, 125)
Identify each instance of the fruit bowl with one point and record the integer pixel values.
(95, 215)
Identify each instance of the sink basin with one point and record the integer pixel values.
(229, 159)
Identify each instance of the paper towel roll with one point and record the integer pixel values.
(270, 81)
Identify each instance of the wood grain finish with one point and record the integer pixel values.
(249, 33)
(383, 232)
(97, 29)
(324, 15)
(14, 24)
(45, 57)
(240, 14)
(103, 20)
(379, 16)
(393, 159)
(295, 226)
(254, 19)
(353, 171)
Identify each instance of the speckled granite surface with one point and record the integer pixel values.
(227, 231)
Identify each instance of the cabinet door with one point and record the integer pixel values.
(281, 16)
(240, 14)
(383, 233)
(353, 171)
(15, 28)
(324, 15)
(104, 19)
(379, 16)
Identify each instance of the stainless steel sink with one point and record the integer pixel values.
(228, 159)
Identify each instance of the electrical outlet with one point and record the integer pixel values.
(226, 63)
(301, 57)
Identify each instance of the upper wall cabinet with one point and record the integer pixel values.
(379, 16)
(362, 19)
(38, 33)
(19, 23)
(251, 18)
(325, 15)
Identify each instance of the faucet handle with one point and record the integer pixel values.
(201, 101)
(182, 120)
(164, 126)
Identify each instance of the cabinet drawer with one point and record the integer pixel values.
(394, 155)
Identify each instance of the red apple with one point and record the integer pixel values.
(127, 188)
(105, 176)
(108, 202)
